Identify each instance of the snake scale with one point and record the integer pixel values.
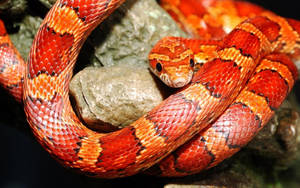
(244, 75)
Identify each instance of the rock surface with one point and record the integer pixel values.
(13, 7)
(115, 95)
(131, 32)
(48, 3)
(28, 29)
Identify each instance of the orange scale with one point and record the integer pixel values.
(244, 41)
(215, 76)
(271, 85)
(194, 155)
(48, 63)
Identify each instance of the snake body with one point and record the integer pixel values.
(12, 66)
(267, 39)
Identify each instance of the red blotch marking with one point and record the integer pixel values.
(53, 48)
(11, 71)
(238, 125)
(295, 24)
(285, 60)
(119, 150)
(246, 42)
(271, 85)
(171, 47)
(192, 156)
(174, 117)
(94, 10)
(61, 138)
(216, 75)
(269, 28)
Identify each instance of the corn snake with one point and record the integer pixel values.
(76, 150)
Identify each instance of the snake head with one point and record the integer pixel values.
(172, 62)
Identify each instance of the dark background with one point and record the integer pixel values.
(25, 164)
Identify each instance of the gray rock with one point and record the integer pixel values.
(47, 3)
(115, 95)
(13, 7)
(23, 39)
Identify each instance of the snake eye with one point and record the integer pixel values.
(158, 67)
(192, 63)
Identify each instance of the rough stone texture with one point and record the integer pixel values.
(47, 3)
(28, 29)
(13, 7)
(116, 95)
(21, 27)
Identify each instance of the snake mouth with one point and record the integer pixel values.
(180, 80)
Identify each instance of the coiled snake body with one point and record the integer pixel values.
(260, 47)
